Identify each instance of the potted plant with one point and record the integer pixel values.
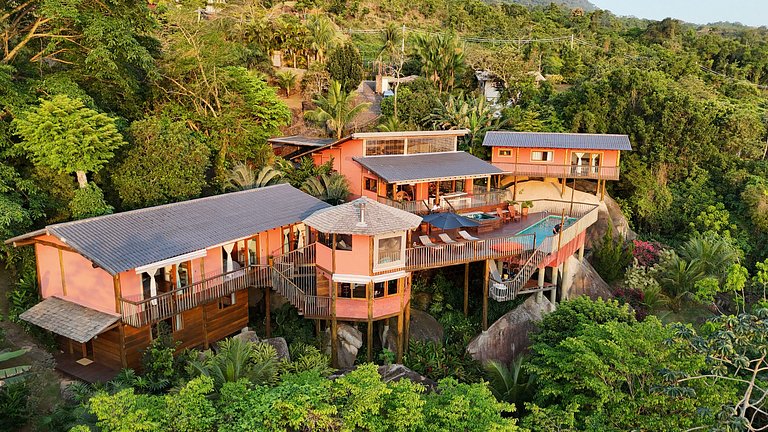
(525, 206)
(511, 205)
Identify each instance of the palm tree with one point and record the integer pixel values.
(442, 58)
(678, 278)
(713, 255)
(336, 109)
(243, 177)
(237, 359)
(15, 373)
(323, 35)
(392, 124)
(467, 112)
(332, 188)
(510, 384)
(286, 80)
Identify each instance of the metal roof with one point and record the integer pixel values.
(557, 140)
(68, 319)
(376, 219)
(304, 141)
(427, 166)
(124, 241)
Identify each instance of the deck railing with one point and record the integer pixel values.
(426, 257)
(294, 276)
(453, 202)
(562, 171)
(138, 312)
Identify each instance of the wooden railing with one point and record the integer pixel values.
(294, 276)
(478, 198)
(509, 290)
(317, 306)
(562, 171)
(586, 216)
(138, 312)
(426, 257)
(417, 207)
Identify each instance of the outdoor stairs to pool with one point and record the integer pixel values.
(502, 291)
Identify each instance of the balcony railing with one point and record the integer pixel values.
(138, 311)
(452, 201)
(426, 257)
(562, 171)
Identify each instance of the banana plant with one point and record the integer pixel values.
(14, 373)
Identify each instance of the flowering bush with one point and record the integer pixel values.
(646, 252)
(634, 298)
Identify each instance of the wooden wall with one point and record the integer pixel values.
(220, 323)
(107, 348)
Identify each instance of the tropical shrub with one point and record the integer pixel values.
(512, 384)
(238, 359)
(612, 255)
(572, 316)
(646, 253)
(437, 361)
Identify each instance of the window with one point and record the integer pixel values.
(182, 276)
(343, 241)
(431, 144)
(351, 290)
(376, 147)
(505, 152)
(371, 185)
(388, 288)
(542, 156)
(392, 287)
(390, 249)
(227, 301)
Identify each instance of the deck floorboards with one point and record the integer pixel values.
(93, 373)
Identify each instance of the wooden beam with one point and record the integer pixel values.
(369, 294)
(334, 327)
(268, 307)
(401, 290)
(61, 272)
(51, 244)
(118, 293)
(123, 359)
(466, 289)
(486, 274)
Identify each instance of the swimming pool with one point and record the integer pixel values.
(544, 228)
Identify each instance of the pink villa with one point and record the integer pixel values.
(207, 267)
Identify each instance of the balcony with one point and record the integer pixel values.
(457, 201)
(561, 171)
(138, 312)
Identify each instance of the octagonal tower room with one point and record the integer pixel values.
(361, 263)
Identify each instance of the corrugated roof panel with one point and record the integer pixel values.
(427, 166)
(127, 240)
(557, 140)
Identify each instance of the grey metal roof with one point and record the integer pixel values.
(557, 140)
(123, 241)
(427, 166)
(377, 218)
(299, 140)
(68, 319)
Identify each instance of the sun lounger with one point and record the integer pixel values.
(426, 241)
(467, 236)
(446, 239)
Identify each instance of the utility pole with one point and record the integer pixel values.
(571, 41)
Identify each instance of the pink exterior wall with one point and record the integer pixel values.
(357, 260)
(324, 257)
(88, 286)
(342, 162)
(213, 265)
(130, 283)
(566, 251)
(561, 156)
(48, 270)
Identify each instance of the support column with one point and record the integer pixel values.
(466, 289)
(562, 188)
(407, 324)
(542, 272)
(486, 274)
(564, 278)
(514, 190)
(554, 275)
(334, 328)
(369, 294)
(268, 306)
(581, 254)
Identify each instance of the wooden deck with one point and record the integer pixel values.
(507, 229)
(93, 373)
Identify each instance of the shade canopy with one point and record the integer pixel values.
(447, 221)
(68, 319)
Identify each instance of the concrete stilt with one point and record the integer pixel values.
(565, 278)
(581, 254)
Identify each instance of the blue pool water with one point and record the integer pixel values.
(544, 228)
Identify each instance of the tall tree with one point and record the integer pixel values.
(64, 134)
(346, 66)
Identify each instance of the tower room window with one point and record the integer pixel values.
(371, 185)
(542, 156)
(505, 152)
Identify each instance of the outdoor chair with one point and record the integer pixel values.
(513, 214)
(467, 236)
(503, 216)
(425, 240)
(446, 239)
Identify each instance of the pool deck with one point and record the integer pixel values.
(507, 229)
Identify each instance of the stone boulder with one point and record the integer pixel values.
(247, 335)
(388, 335)
(609, 214)
(350, 341)
(424, 327)
(281, 346)
(584, 280)
(508, 336)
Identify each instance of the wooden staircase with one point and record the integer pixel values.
(294, 277)
(502, 291)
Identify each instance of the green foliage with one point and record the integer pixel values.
(572, 316)
(336, 109)
(307, 358)
(613, 372)
(346, 66)
(286, 80)
(167, 162)
(332, 188)
(238, 359)
(511, 383)
(442, 58)
(14, 411)
(158, 361)
(467, 112)
(416, 103)
(23, 296)
(437, 361)
(457, 406)
(64, 134)
(242, 177)
(89, 202)
(612, 256)
(190, 410)
(127, 411)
